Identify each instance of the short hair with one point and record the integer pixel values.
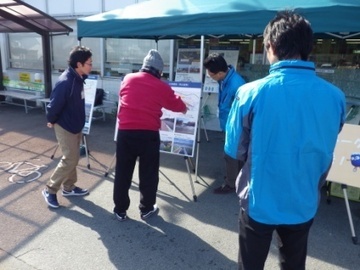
(290, 35)
(215, 63)
(79, 54)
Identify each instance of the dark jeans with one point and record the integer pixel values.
(130, 145)
(255, 239)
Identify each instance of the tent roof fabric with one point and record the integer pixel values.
(18, 16)
(158, 19)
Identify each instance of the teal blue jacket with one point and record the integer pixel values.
(227, 92)
(284, 127)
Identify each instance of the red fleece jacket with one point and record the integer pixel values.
(142, 98)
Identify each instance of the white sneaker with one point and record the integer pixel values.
(145, 215)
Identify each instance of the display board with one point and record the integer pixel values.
(178, 130)
(89, 92)
(231, 55)
(346, 164)
(188, 64)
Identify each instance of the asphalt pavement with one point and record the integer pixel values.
(83, 233)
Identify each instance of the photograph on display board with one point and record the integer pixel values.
(167, 124)
(166, 143)
(183, 146)
(185, 126)
(188, 65)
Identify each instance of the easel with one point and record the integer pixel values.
(347, 205)
(84, 143)
(188, 163)
(110, 166)
(202, 116)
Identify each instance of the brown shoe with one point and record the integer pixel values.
(224, 189)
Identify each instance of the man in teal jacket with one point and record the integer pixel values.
(229, 81)
(284, 128)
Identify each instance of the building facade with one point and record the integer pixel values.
(337, 60)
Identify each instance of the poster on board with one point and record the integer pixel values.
(178, 130)
(231, 55)
(345, 168)
(89, 92)
(188, 64)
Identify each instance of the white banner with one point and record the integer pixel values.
(89, 92)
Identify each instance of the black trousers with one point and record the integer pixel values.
(255, 239)
(130, 145)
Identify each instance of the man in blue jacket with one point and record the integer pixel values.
(229, 81)
(66, 114)
(284, 128)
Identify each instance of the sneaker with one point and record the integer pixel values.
(224, 189)
(145, 215)
(50, 199)
(75, 192)
(121, 216)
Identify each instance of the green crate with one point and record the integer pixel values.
(352, 192)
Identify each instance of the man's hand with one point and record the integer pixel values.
(49, 125)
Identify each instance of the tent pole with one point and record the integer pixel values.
(47, 64)
(253, 51)
(157, 43)
(171, 60)
(2, 87)
(264, 56)
(202, 57)
(199, 124)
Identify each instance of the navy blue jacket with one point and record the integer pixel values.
(67, 102)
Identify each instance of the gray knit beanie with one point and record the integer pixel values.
(153, 59)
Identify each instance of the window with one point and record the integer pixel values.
(124, 56)
(62, 45)
(25, 51)
(336, 53)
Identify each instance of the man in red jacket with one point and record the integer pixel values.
(143, 95)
